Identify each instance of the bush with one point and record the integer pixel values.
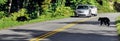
(46, 14)
(2, 14)
(6, 22)
(20, 13)
(63, 11)
(60, 12)
(118, 25)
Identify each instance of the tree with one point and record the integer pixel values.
(3, 1)
(9, 8)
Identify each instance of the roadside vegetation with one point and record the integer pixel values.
(118, 25)
(117, 4)
(32, 11)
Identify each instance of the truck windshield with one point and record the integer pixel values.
(82, 7)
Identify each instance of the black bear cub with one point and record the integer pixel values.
(21, 18)
(104, 20)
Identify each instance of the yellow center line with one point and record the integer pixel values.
(59, 30)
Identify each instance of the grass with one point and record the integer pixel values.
(8, 24)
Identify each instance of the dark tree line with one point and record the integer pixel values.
(38, 7)
(11, 6)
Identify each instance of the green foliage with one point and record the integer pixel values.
(118, 0)
(8, 22)
(63, 11)
(22, 12)
(118, 25)
(93, 2)
(45, 5)
(118, 29)
(46, 15)
(2, 14)
(3, 1)
(106, 7)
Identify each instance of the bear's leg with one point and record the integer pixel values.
(108, 23)
(101, 22)
(105, 22)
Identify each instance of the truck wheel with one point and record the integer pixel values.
(95, 14)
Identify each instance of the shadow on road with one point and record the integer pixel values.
(73, 35)
(112, 24)
(62, 36)
(65, 36)
(79, 17)
(20, 37)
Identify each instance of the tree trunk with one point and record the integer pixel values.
(9, 8)
(18, 5)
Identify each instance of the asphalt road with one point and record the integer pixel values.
(82, 29)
